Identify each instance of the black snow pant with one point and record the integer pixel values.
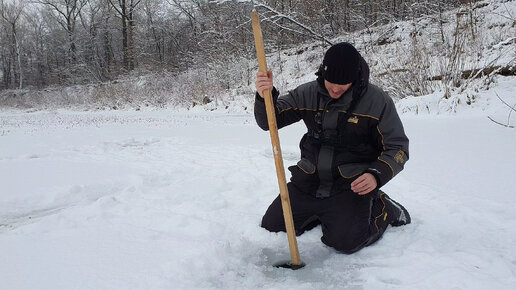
(349, 221)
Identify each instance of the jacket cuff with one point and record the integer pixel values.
(381, 171)
(258, 98)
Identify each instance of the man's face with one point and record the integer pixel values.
(336, 90)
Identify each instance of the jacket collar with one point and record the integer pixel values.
(340, 104)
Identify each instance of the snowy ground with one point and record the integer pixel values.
(173, 200)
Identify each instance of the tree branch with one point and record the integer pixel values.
(507, 126)
(505, 103)
(116, 8)
(286, 17)
(53, 5)
(513, 108)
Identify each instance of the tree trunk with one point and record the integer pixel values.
(107, 50)
(73, 48)
(471, 20)
(130, 40)
(7, 72)
(125, 48)
(18, 58)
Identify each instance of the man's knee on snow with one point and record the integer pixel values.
(344, 245)
(272, 225)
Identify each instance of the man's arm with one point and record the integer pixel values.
(391, 137)
(284, 106)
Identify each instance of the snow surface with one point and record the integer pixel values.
(173, 200)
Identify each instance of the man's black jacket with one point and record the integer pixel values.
(370, 138)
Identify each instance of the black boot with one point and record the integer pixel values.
(395, 214)
(385, 212)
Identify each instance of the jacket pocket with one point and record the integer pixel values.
(306, 166)
(352, 170)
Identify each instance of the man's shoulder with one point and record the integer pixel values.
(373, 102)
(376, 94)
(308, 88)
(303, 97)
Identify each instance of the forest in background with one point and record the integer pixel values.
(194, 46)
(68, 42)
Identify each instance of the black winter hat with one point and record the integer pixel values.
(341, 64)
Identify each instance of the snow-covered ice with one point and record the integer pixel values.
(173, 200)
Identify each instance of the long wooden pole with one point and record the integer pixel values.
(276, 149)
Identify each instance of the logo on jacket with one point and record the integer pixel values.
(400, 157)
(353, 120)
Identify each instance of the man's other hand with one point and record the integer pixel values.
(364, 184)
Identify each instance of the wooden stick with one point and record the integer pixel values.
(276, 149)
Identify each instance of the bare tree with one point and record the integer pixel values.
(91, 22)
(126, 10)
(68, 12)
(106, 54)
(35, 49)
(10, 14)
